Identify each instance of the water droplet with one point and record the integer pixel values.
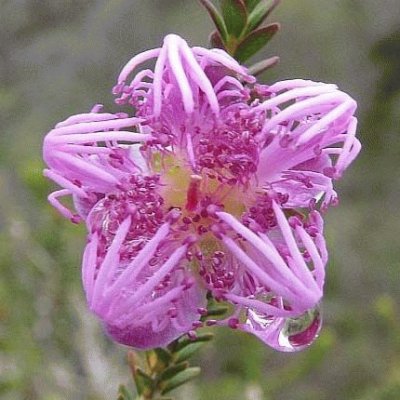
(286, 334)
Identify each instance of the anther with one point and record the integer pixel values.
(196, 218)
(192, 335)
(190, 239)
(294, 221)
(329, 172)
(172, 312)
(76, 219)
(233, 323)
(173, 215)
(202, 311)
(217, 231)
(285, 141)
(186, 220)
(197, 324)
(211, 209)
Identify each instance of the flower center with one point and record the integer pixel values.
(198, 195)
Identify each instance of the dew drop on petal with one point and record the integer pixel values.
(286, 334)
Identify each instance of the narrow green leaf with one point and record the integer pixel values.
(216, 310)
(123, 393)
(216, 17)
(158, 359)
(172, 371)
(263, 65)
(260, 13)
(250, 4)
(201, 337)
(235, 16)
(180, 379)
(187, 352)
(255, 41)
(163, 354)
(216, 40)
(144, 383)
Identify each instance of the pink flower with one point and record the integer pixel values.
(214, 187)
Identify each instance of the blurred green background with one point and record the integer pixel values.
(59, 57)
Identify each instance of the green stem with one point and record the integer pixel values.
(163, 369)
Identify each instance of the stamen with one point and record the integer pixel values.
(135, 61)
(53, 200)
(89, 267)
(260, 306)
(109, 264)
(173, 45)
(143, 312)
(273, 257)
(279, 286)
(67, 184)
(135, 267)
(150, 284)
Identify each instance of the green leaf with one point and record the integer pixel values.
(201, 337)
(255, 41)
(250, 4)
(216, 40)
(187, 352)
(216, 17)
(171, 371)
(164, 355)
(158, 359)
(181, 378)
(216, 310)
(263, 65)
(260, 13)
(144, 383)
(123, 393)
(235, 16)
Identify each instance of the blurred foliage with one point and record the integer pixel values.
(59, 57)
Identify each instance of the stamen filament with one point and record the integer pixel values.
(109, 264)
(150, 284)
(135, 267)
